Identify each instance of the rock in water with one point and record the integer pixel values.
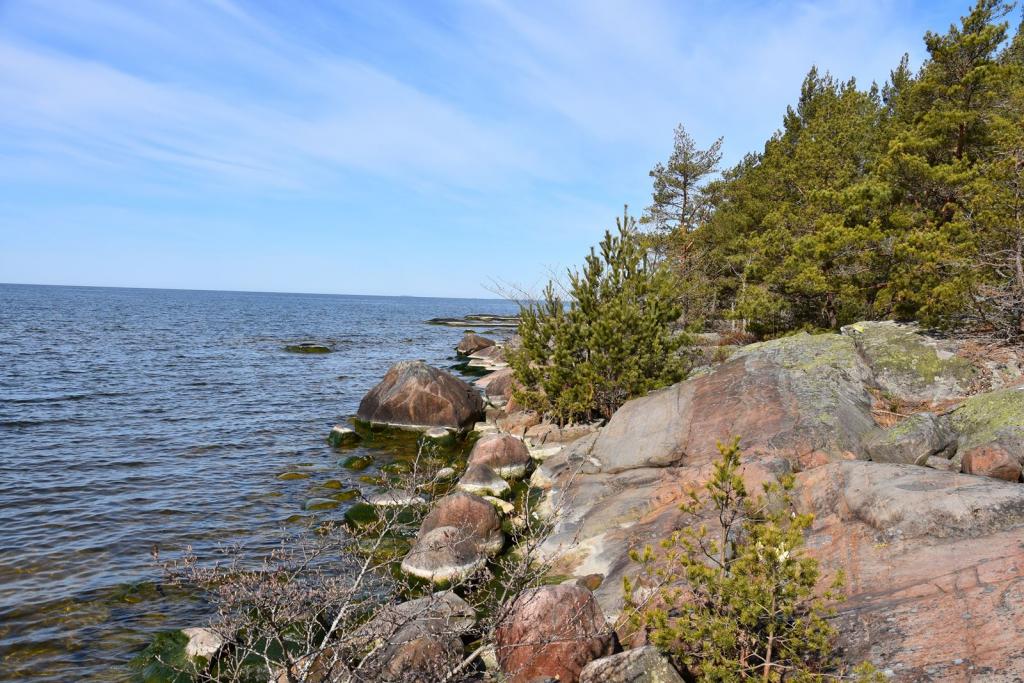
(342, 435)
(508, 455)
(552, 631)
(444, 555)
(469, 513)
(308, 347)
(483, 481)
(441, 436)
(455, 539)
(642, 665)
(414, 394)
(471, 343)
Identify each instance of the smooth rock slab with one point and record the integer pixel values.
(416, 395)
(933, 564)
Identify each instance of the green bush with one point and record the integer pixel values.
(613, 339)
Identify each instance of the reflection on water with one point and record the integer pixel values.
(138, 418)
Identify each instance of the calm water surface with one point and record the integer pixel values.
(134, 417)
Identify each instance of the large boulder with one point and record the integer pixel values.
(802, 397)
(642, 665)
(455, 539)
(910, 366)
(992, 460)
(505, 453)
(414, 394)
(472, 342)
(932, 563)
(469, 513)
(913, 441)
(552, 632)
(996, 416)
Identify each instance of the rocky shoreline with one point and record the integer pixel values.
(908, 450)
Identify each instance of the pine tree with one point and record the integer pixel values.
(680, 201)
(736, 600)
(611, 340)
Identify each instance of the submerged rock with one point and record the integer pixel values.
(416, 395)
(553, 632)
(308, 347)
(342, 435)
(441, 436)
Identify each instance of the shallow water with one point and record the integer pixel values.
(137, 418)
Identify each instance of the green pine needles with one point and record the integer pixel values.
(735, 599)
(611, 340)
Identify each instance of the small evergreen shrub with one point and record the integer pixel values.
(612, 339)
(737, 600)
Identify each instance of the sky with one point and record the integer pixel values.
(429, 147)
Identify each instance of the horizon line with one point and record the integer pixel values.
(249, 291)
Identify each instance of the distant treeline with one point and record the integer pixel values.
(902, 201)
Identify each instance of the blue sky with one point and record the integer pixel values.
(423, 147)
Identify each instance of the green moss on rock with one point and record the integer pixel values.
(361, 515)
(908, 364)
(357, 463)
(983, 418)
